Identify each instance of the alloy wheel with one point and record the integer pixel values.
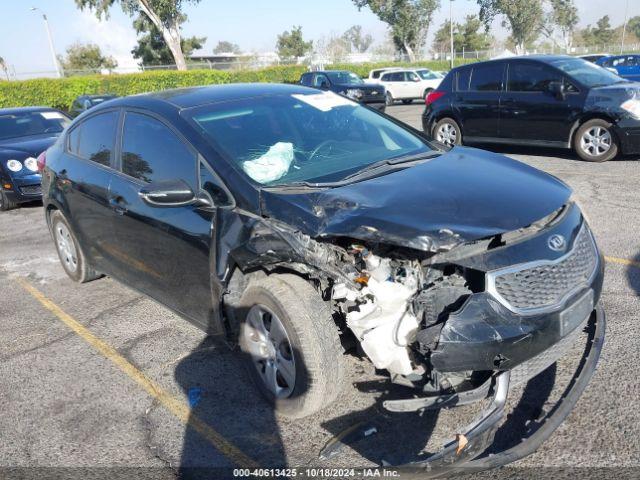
(66, 247)
(270, 349)
(447, 134)
(596, 141)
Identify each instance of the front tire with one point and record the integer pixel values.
(447, 131)
(5, 203)
(407, 101)
(290, 344)
(69, 251)
(389, 100)
(595, 141)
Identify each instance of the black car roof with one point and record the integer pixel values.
(548, 59)
(14, 110)
(196, 96)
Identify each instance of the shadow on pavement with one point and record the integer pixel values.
(633, 275)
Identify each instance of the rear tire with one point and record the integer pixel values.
(311, 347)
(5, 203)
(595, 141)
(407, 101)
(69, 250)
(389, 100)
(447, 131)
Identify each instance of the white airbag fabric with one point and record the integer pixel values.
(271, 166)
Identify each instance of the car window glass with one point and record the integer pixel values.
(531, 77)
(212, 185)
(306, 79)
(463, 80)
(93, 139)
(152, 152)
(412, 77)
(619, 62)
(397, 77)
(486, 77)
(375, 74)
(386, 77)
(632, 61)
(319, 80)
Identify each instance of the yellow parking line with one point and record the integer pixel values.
(623, 261)
(177, 407)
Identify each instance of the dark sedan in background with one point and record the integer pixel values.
(550, 101)
(24, 134)
(348, 84)
(85, 102)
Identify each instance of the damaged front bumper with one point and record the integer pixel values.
(466, 453)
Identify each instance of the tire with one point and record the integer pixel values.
(407, 101)
(595, 141)
(314, 352)
(5, 203)
(69, 250)
(426, 93)
(388, 99)
(447, 131)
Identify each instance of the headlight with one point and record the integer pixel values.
(632, 106)
(354, 93)
(32, 164)
(14, 165)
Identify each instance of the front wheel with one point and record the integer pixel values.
(407, 101)
(5, 203)
(448, 132)
(389, 99)
(290, 344)
(595, 142)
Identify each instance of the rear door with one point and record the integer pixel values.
(529, 111)
(162, 251)
(83, 177)
(477, 99)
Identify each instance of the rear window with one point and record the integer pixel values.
(486, 77)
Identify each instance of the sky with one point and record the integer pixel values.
(252, 24)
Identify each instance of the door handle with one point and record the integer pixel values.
(118, 204)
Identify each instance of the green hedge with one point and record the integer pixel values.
(60, 93)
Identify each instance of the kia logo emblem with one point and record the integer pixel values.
(557, 243)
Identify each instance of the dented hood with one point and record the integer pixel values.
(464, 194)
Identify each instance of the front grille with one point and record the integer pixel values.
(31, 190)
(543, 285)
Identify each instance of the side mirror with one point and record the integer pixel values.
(168, 193)
(557, 90)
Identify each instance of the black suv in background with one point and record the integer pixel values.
(348, 84)
(552, 101)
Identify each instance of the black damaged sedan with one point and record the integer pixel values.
(293, 222)
(24, 134)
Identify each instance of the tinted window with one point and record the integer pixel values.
(411, 77)
(376, 73)
(463, 80)
(319, 79)
(344, 78)
(93, 139)
(396, 77)
(152, 152)
(486, 77)
(306, 79)
(531, 77)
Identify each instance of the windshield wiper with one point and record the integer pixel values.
(391, 163)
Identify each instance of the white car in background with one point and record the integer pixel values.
(408, 84)
(374, 75)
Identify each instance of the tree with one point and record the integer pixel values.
(633, 26)
(165, 15)
(442, 37)
(603, 33)
(408, 21)
(563, 18)
(152, 48)
(87, 56)
(523, 17)
(357, 40)
(291, 45)
(226, 47)
(466, 37)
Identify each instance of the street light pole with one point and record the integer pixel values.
(451, 29)
(51, 46)
(624, 28)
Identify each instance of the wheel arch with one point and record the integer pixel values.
(584, 119)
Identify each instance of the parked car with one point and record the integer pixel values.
(348, 84)
(85, 102)
(24, 134)
(376, 72)
(627, 66)
(295, 221)
(551, 101)
(594, 57)
(408, 84)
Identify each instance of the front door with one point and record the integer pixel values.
(162, 251)
(477, 100)
(529, 111)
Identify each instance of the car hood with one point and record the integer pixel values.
(27, 146)
(462, 195)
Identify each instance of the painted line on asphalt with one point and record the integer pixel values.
(623, 261)
(177, 407)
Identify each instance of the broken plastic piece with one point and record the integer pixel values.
(347, 437)
(271, 166)
(462, 442)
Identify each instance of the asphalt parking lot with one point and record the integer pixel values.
(97, 375)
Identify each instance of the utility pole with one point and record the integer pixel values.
(624, 28)
(51, 46)
(451, 29)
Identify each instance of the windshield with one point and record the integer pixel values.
(587, 73)
(313, 138)
(427, 74)
(24, 124)
(344, 78)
